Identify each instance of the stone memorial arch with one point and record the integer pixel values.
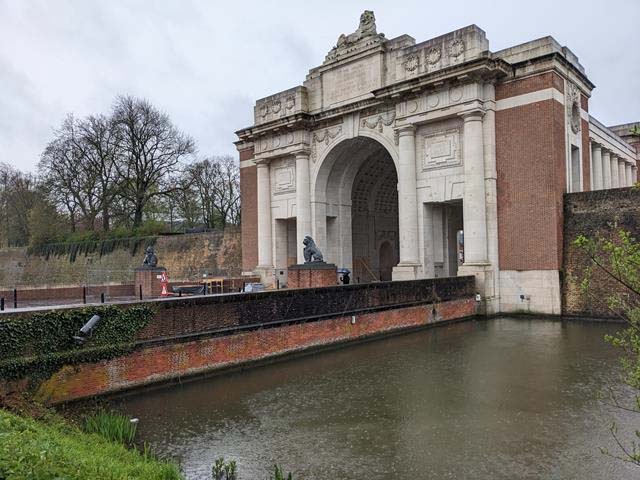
(385, 155)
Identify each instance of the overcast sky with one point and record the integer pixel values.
(206, 62)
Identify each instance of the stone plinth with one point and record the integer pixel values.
(310, 275)
(148, 279)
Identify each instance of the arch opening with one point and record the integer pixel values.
(356, 209)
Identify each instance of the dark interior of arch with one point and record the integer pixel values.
(374, 217)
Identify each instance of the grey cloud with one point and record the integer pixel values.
(205, 62)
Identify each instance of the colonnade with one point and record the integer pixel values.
(609, 170)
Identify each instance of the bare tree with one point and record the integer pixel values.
(17, 196)
(150, 148)
(77, 168)
(217, 182)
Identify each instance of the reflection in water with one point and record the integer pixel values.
(500, 399)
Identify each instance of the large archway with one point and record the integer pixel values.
(356, 208)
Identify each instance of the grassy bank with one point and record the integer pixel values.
(50, 448)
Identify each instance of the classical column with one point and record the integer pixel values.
(474, 216)
(622, 174)
(492, 283)
(407, 203)
(265, 246)
(303, 207)
(628, 175)
(615, 174)
(606, 169)
(596, 162)
(634, 175)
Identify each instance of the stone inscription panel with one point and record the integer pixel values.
(441, 149)
(351, 81)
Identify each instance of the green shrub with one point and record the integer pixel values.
(52, 449)
(278, 474)
(111, 425)
(222, 470)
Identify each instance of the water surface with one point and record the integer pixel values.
(498, 399)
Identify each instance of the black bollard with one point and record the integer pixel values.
(84, 295)
(15, 298)
(2, 304)
(180, 292)
(102, 297)
(140, 291)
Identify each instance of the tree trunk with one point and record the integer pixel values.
(105, 219)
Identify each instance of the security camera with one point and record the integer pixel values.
(86, 329)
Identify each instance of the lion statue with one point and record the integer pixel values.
(311, 252)
(367, 28)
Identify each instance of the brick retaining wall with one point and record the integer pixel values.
(194, 335)
(590, 214)
(171, 361)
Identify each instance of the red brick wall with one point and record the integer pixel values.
(529, 84)
(168, 361)
(249, 204)
(311, 278)
(530, 158)
(67, 293)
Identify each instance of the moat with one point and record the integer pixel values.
(505, 398)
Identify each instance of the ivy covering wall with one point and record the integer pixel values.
(38, 345)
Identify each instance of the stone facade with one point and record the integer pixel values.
(412, 160)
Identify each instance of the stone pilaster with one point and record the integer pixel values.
(407, 206)
(491, 292)
(303, 207)
(628, 174)
(265, 244)
(475, 221)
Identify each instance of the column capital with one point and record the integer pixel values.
(406, 130)
(302, 153)
(262, 162)
(473, 114)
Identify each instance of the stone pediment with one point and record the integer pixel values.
(365, 37)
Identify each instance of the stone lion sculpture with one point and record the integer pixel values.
(312, 253)
(150, 259)
(367, 28)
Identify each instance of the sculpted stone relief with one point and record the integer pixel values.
(273, 142)
(379, 121)
(430, 58)
(573, 107)
(323, 137)
(277, 107)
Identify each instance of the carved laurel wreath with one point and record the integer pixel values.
(456, 48)
(412, 62)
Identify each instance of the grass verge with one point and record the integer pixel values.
(50, 448)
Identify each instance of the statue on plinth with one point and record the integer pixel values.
(312, 253)
(365, 34)
(150, 259)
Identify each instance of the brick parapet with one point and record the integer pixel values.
(165, 362)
